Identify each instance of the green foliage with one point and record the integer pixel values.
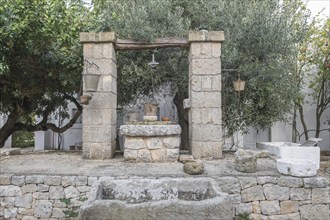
(71, 213)
(40, 57)
(22, 139)
(261, 43)
(243, 216)
(66, 201)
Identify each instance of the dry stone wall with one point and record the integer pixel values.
(264, 197)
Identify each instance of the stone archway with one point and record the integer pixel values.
(205, 116)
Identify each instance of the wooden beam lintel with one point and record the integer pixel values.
(158, 43)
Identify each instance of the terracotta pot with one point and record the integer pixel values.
(91, 82)
(84, 99)
(150, 109)
(165, 119)
(239, 85)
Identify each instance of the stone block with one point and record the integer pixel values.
(97, 133)
(256, 207)
(315, 182)
(320, 212)
(252, 194)
(10, 213)
(83, 189)
(5, 179)
(243, 208)
(88, 50)
(41, 195)
(291, 216)
(97, 116)
(71, 192)
(247, 182)
(144, 155)
(58, 213)
(217, 116)
(18, 180)
(24, 201)
(37, 179)
(134, 143)
(56, 192)
(196, 83)
(68, 181)
(42, 188)
(130, 154)
(91, 180)
(7, 201)
(196, 117)
(150, 130)
(109, 52)
(206, 83)
(206, 115)
(29, 188)
(172, 155)
(208, 132)
(98, 150)
(86, 37)
(275, 192)
(205, 66)
(290, 181)
(158, 155)
(266, 179)
(205, 99)
(154, 143)
(254, 216)
(216, 50)
(108, 84)
(235, 198)
(53, 180)
(270, 207)
(172, 142)
(320, 195)
(104, 100)
(43, 209)
(229, 184)
(300, 194)
(216, 83)
(296, 167)
(97, 51)
(289, 207)
(80, 180)
(207, 36)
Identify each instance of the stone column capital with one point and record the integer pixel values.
(206, 36)
(101, 37)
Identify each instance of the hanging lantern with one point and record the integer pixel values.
(239, 85)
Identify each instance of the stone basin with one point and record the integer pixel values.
(292, 151)
(179, 198)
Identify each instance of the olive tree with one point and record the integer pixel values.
(40, 62)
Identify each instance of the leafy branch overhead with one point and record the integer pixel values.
(40, 61)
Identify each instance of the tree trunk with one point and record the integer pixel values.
(8, 128)
(302, 119)
(294, 126)
(318, 122)
(183, 121)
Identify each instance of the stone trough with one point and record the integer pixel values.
(179, 198)
(293, 159)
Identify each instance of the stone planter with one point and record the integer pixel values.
(246, 161)
(239, 85)
(84, 99)
(91, 82)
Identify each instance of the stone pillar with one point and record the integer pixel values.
(205, 115)
(99, 117)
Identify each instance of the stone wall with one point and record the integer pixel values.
(205, 116)
(264, 197)
(100, 116)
